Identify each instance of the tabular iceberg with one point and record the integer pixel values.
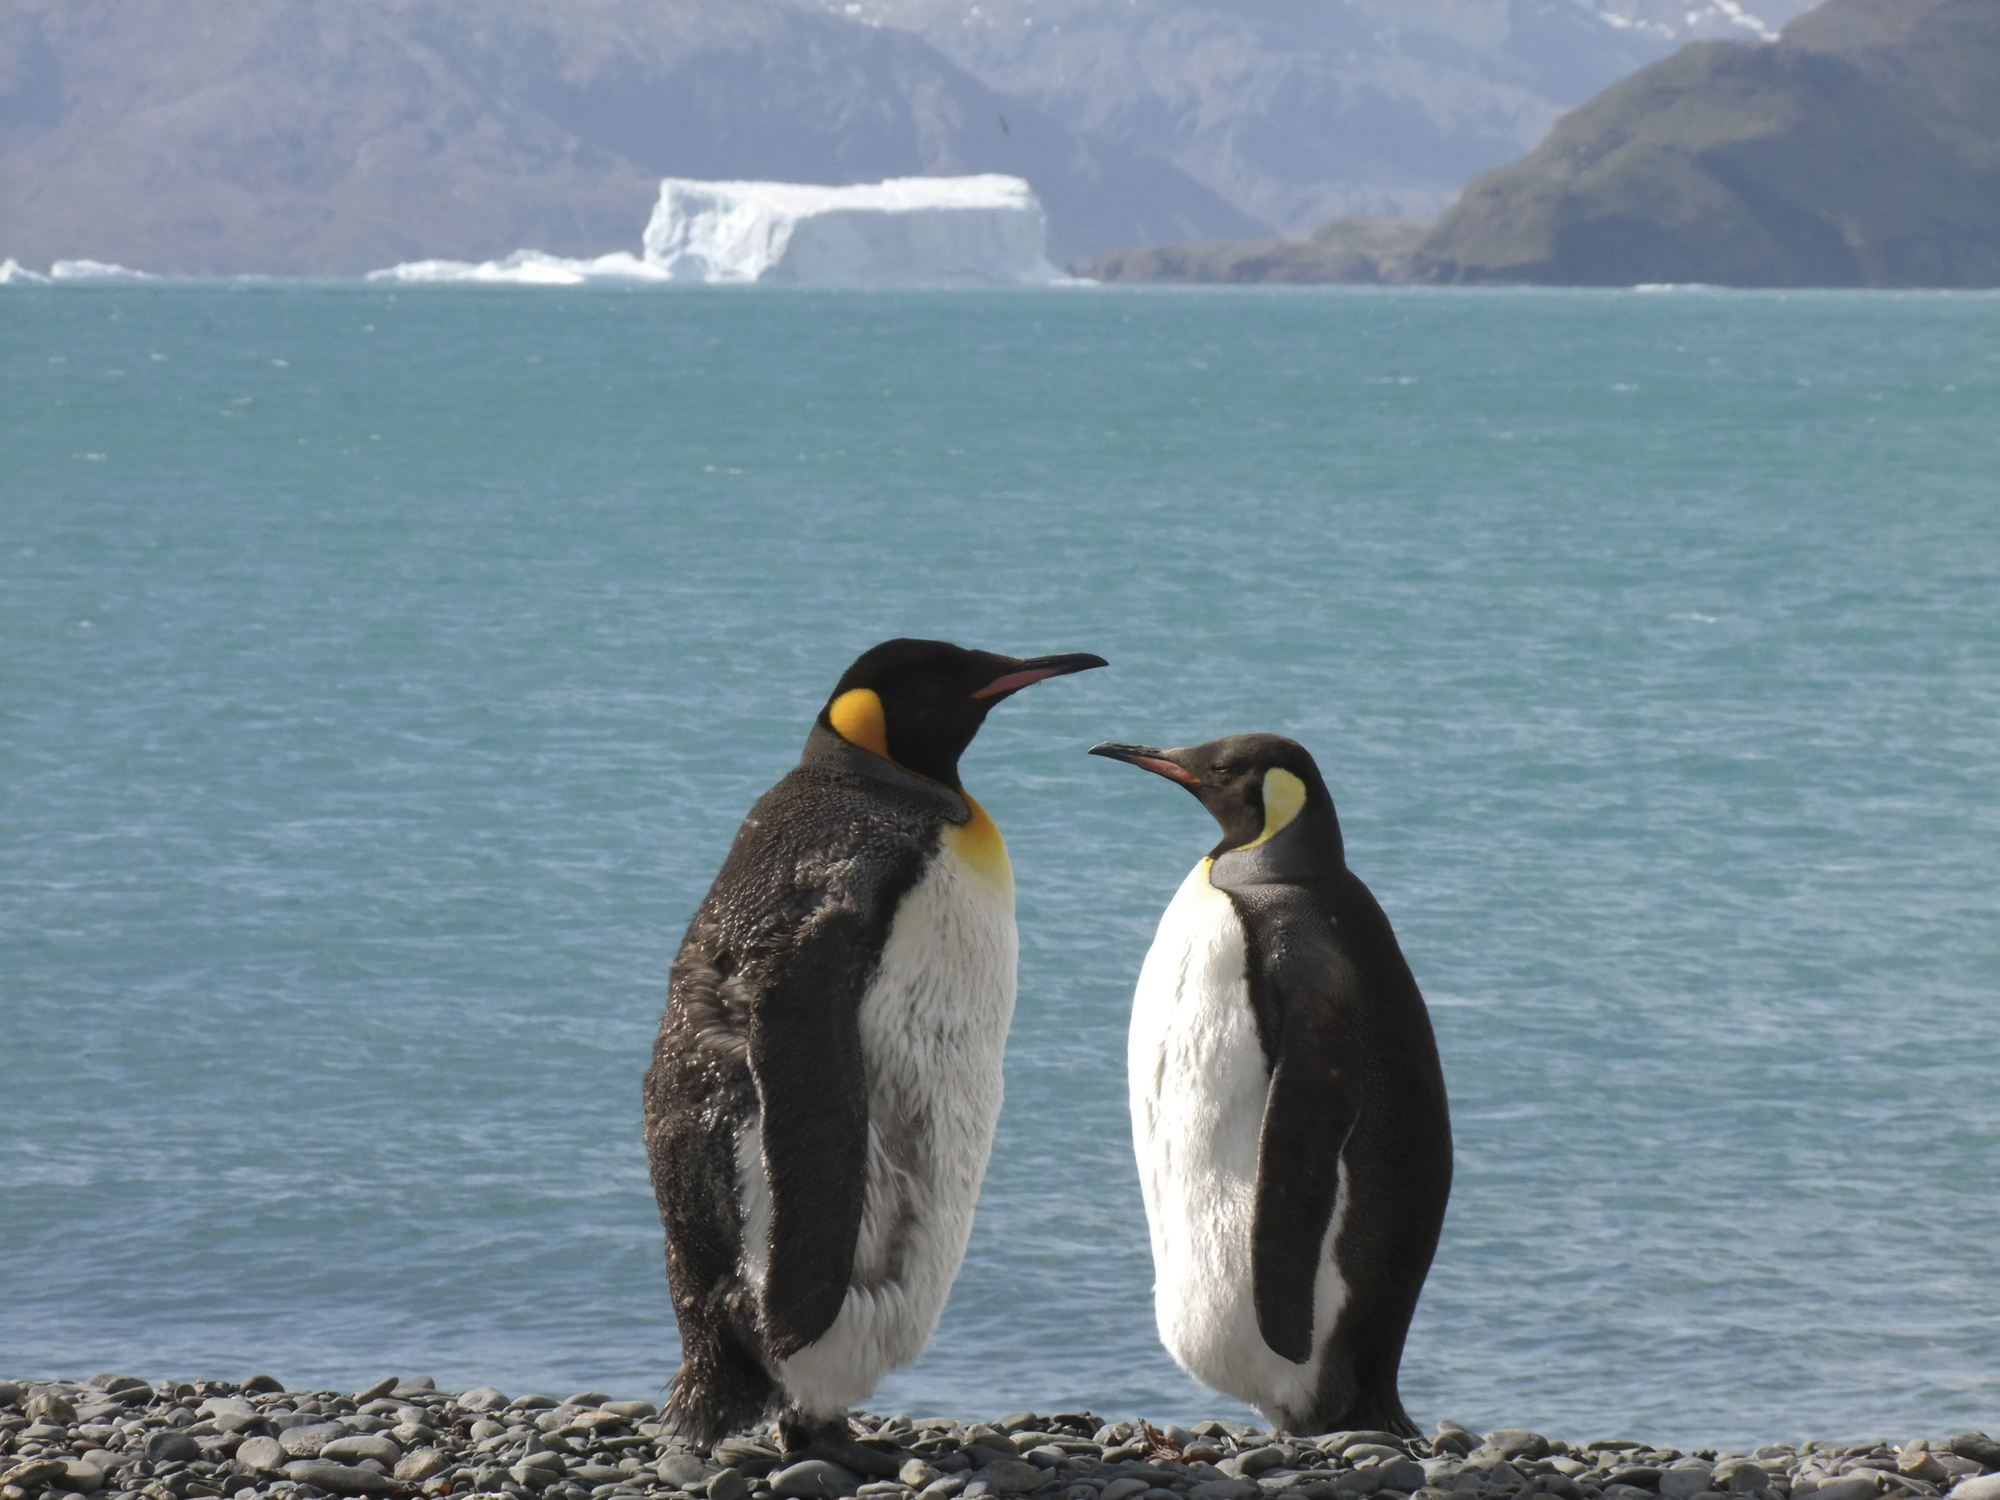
(907, 231)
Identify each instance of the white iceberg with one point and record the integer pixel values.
(923, 231)
(526, 268)
(96, 270)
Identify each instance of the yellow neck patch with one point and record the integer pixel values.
(1284, 795)
(858, 718)
(977, 841)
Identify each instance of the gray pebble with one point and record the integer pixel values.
(350, 1450)
(1225, 1489)
(1976, 1446)
(306, 1441)
(1685, 1480)
(682, 1471)
(265, 1453)
(813, 1479)
(1010, 1476)
(916, 1473)
(728, 1484)
(49, 1407)
(338, 1479)
(1986, 1487)
(172, 1447)
(416, 1467)
(1254, 1461)
(81, 1477)
(1124, 1489)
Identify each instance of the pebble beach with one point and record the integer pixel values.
(120, 1437)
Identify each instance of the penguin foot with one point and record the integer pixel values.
(835, 1442)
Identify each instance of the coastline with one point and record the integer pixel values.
(116, 1437)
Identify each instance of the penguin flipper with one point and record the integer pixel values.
(812, 1089)
(1311, 1106)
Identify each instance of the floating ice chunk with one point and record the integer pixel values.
(526, 268)
(11, 270)
(95, 270)
(908, 231)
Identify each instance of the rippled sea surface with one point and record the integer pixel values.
(385, 674)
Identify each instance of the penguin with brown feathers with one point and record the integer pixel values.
(1288, 1107)
(827, 1076)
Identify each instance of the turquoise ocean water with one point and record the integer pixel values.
(385, 673)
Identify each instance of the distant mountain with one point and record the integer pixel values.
(1300, 111)
(336, 136)
(1861, 149)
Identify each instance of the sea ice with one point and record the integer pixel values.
(907, 231)
(526, 268)
(95, 270)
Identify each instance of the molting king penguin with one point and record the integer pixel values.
(827, 1076)
(1288, 1109)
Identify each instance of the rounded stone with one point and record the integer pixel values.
(728, 1484)
(31, 1474)
(1257, 1460)
(338, 1479)
(681, 1471)
(1225, 1489)
(264, 1453)
(1012, 1476)
(1684, 1481)
(817, 1479)
(1404, 1474)
(49, 1407)
(172, 1447)
(351, 1450)
(415, 1468)
(306, 1441)
(1985, 1487)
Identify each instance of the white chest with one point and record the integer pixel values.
(1199, 1082)
(933, 1037)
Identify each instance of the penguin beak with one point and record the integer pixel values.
(1035, 669)
(1146, 758)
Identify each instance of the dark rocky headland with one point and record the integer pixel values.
(1860, 149)
(116, 1437)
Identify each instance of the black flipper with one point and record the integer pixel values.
(805, 1057)
(1301, 990)
(1307, 1116)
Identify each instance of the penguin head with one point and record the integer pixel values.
(1262, 788)
(919, 703)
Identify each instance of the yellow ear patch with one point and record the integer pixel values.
(1284, 795)
(977, 841)
(857, 718)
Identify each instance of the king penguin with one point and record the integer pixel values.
(827, 1076)
(1288, 1109)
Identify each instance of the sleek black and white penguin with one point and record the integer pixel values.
(827, 1076)
(1288, 1110)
